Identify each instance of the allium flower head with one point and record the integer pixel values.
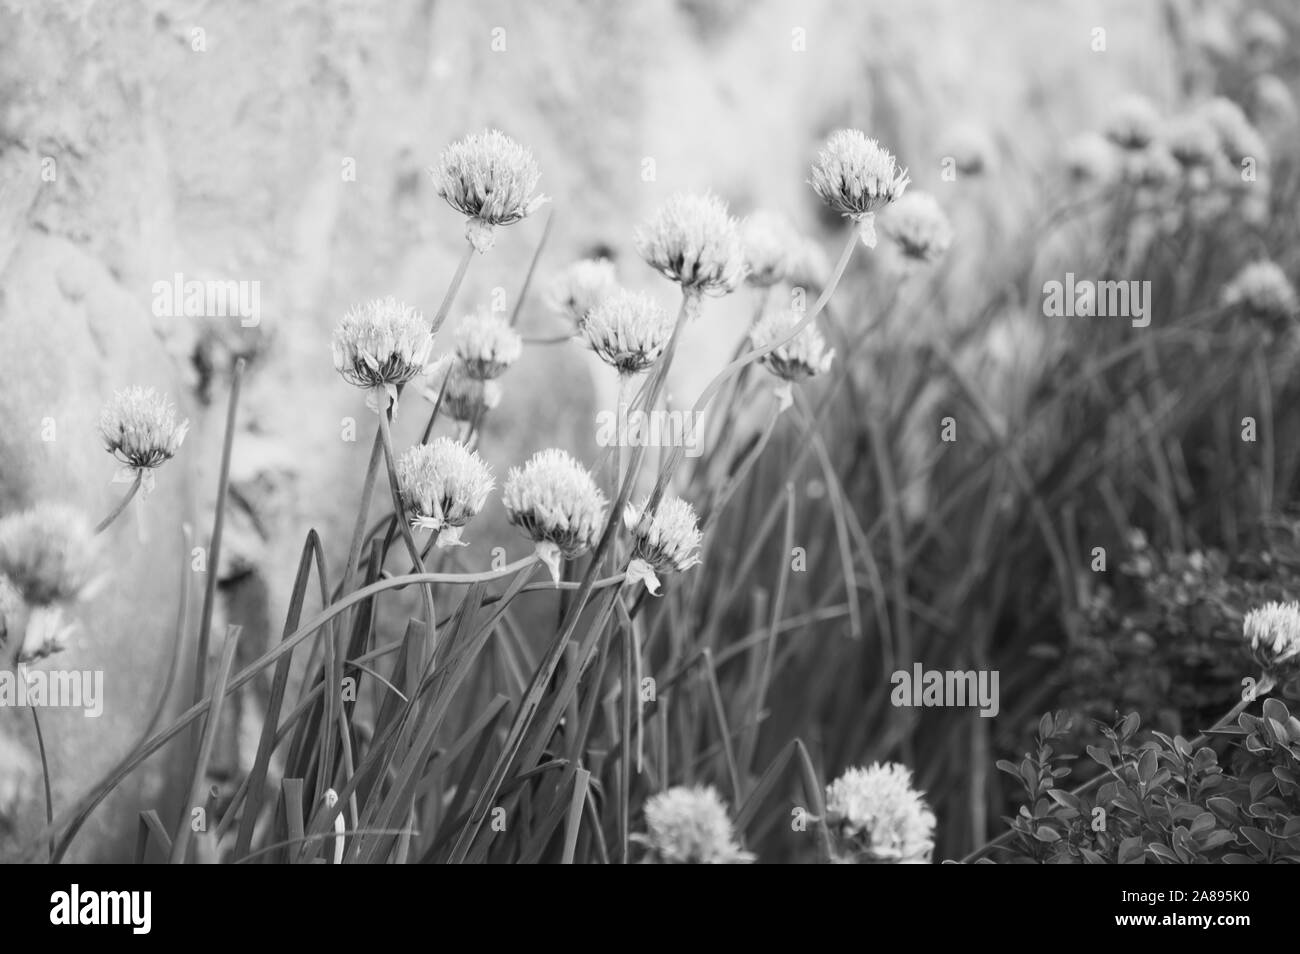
(1153, 168)
(466, 397)
(665, 541)
(381, 345)
(690, 826)
(856, 177)
(490, 178)
(629, 331)
(582, 286)
(1238, 138)
(695, 242)
(48, 632)
(554, 500)
(1263, 36)
(444, 485)
(878, 818)
(971, 149)
(1090, 157)
(1133, 123)
(1193, 142)
(804, 357)
(486, 344)
(1273, 632)
(918, 227)
(771, 245)
(49, 554)
(138, 426)
(1263, 292)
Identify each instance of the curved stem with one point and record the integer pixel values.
(45, 772)
(121, 504)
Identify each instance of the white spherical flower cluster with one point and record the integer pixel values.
(381, 345)
(665, 541)
(554, 500)
(857, 177)
(878, 818)
(629, 331)
(443, 485)
(687, 826)
(581, 287)
(805, 356)
(918, 226)
(139, 428)
(695, 242)
(486, 344)
(491, 179)
(1273, 632)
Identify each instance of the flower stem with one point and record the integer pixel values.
(359, 530)
(450, 297)
(121, 504)
(45, 771)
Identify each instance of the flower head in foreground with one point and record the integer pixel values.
(139, 428)
(687, 826)
(1132, 123)
(380, 346)
(918, 227)
(878, 818)
(554, 500)
(694, 241)
(1264, 293)
(48, 559)
(444, 485)
(629, 331)
(804, 357)
(666, 541)
(466, 397)
(490, 178)
(486, 344)
(1273, 632)
(857, 177)
(771, 246)
(49, 554)
(582, 286)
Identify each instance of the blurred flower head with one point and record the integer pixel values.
(138, 426)
(695, 242)
(1152, 168)
(49, 553)
(466, 397)
(856, 177)
(554, 500)
(486, 344)
(1263, 37)
(490, 178)
(971, 149)
(1192, 141)
(1239, 140)
(1264, 293)
(919, 227)
(582, 286)
(379, 346)
(1133, 122)
(803, 357)
(48, 632)
(878, 818)
(665, 541)
(629, 331)
(1274, 104)
(443, 485)
(690, 826)
(1090, 157)
(1273, 632)
(771, 245)
(18, 773)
